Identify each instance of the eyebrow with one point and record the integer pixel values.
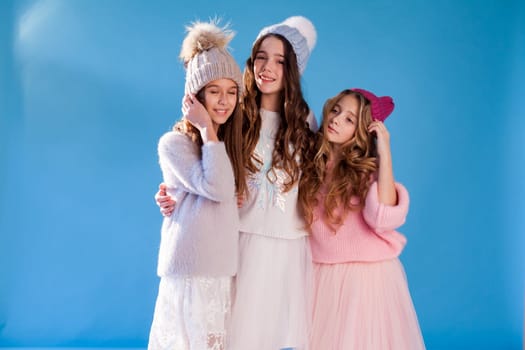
(218, 87)
(349, 111)
(352, 114)
(266, 53)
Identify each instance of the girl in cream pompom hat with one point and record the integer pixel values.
(201, 166)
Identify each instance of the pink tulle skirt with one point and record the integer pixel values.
(363, 306)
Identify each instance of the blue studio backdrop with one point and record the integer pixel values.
(87, 88)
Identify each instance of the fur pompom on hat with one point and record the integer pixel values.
(301, 34)
(380, 107)
(206, 57)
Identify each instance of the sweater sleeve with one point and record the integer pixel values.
(381, 217)
(210, 176)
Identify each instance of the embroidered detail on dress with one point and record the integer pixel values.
(267, 184)
(216, 341)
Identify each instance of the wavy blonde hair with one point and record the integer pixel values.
(293, 127)
(349, 176)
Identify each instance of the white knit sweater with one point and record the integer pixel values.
(269, 211)
(200, 238)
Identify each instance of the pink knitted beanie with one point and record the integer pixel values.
(380, 107)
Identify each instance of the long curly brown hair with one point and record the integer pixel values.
(293, 128)
(231, 134)
(348, 178)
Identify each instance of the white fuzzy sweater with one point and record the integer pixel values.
(200, 238)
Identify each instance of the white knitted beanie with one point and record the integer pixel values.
(301, 34)
(206, 56)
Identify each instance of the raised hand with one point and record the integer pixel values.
(195, 112)
(385, 180)
(383, 138)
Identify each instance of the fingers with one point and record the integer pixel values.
(165, 212)
(161, 197)
(375, 125)
(164, 201)
(240, 201)
(188, 101)
(167, 207)
(378, 128)
(162, 189)
(188, 98)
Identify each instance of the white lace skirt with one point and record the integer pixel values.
(272, 294)
(191, 314)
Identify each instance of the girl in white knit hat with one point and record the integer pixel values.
(271, 304)
(201, 162)
(270, 309)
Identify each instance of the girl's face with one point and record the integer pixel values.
(220, 100)
(342, 120)
(268, 66)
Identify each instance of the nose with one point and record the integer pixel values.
(222, 98)
(267, 67)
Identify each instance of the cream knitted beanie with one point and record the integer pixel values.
(206, 57)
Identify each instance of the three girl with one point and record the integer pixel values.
(352, 206)
(201, 163)
(345, 189)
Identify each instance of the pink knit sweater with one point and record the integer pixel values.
(368, 235)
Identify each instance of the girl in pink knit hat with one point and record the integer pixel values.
(353, 206)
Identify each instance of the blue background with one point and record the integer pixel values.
(87, 88)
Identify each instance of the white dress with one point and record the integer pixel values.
(191, 313)
(198, 253)
(273, 283)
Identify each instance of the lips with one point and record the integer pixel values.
(266, 79)
(331, 130)
(221, 111)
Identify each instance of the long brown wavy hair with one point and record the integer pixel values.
(348, 178)
(231, 134)
(293, 127)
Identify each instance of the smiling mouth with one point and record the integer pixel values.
(266, 79)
